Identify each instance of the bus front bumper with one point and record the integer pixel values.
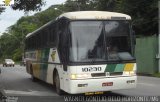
(103, 84)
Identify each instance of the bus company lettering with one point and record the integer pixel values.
(91, 69)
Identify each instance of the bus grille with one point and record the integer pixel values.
(116, 73)
(98, 74)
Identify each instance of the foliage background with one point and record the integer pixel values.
(144, 15)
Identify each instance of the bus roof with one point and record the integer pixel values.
(32, 33)
(94, 15)
(80, 15)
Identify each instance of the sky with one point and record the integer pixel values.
(10, 17)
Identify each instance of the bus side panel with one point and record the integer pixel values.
(37, 63)
(44, 63)
(30, 57)
(53, 61)
(67, 76)
(28, 67)
(49, 77)
(36, 70)
(59, 68)
(53, 56)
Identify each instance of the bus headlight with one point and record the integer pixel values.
(129, 73)
(80, 76)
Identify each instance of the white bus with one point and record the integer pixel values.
(84, 51)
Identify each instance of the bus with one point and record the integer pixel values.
(83, 52)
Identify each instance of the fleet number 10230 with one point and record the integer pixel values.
(91, 69)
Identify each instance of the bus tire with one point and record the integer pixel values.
(57, 84)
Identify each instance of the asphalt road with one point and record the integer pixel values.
(17, 86)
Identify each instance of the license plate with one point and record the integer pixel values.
(94, 93)
(107, 84)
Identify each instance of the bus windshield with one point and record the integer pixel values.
(100, 41)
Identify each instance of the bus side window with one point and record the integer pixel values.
(53, 35)
(47, 37)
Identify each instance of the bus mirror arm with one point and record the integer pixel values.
(65, 66)
(134, 37)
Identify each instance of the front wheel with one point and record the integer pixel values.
(57, 84)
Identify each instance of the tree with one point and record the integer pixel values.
(26, 5)
(78, 5)
(144, 14)
(12, 41)
(104, 5)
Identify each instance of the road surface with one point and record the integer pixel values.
(16, 84)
